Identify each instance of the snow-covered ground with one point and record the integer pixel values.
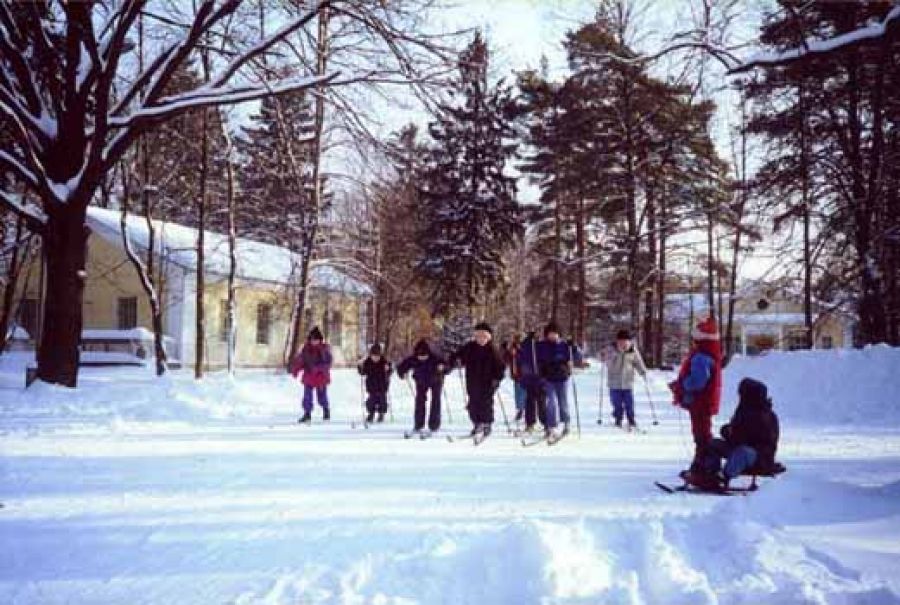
(134, 490)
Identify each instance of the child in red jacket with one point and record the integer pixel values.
(698, 387)
(314, 360)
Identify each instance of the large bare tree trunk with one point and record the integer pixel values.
(65, 254)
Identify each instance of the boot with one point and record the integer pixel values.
(305, 419)
(486, 429)
(326, 415)
(475, 430)
(519, 415)
(380, 416)
(370, 417)
(565, 430)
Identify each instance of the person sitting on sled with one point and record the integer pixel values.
(377, 371)
(484, 371)
(314, 360)
(428, 370)
(750, 440)
(698, 388)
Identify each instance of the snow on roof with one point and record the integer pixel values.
(256, 261)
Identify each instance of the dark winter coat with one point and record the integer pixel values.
(526, 362)
(314, 360)
(426, 372)
(484, 367)
(554, 360)
(754, 423)
(377, 375)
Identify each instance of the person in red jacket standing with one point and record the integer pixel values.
(314, 360)
(698, 388)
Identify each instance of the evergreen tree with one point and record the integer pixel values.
(469, 204)
(276, 175)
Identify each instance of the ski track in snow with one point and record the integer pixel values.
(213, 494)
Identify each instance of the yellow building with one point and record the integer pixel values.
(766, 317)
(117, 318)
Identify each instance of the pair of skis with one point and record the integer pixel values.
(551, 439)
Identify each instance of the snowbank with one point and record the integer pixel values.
(841, 386)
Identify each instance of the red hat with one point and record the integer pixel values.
(707, 329)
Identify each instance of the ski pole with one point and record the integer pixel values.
(602, 392)
(577, 414)
(387, 396)
(650, 399)
(362, 398)
(575, 390)
(447, 402)
(503, 411)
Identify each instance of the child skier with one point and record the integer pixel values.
(428, 370)
(554, 359)
(621, 366)
(314, 360)
(377, 371)
(484, 371)
(751, 438)
(698, 387)
(530, 379)
(511, 354)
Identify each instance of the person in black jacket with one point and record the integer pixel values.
(484, 370)
(377, 371)
(751, 438)
(428, 369)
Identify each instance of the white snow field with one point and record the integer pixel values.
(132, 490)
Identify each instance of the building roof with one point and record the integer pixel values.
(256, 261)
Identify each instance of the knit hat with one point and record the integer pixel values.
(551, 327)
(315, 334)
(706, 330)
(375, 349)
(422, 348)
(483, 325)
(623, 335)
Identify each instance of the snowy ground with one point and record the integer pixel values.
(132, 491)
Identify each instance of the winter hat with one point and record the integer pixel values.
(623, 335)
(483, 325)
(706, 330)
(315, 334)
(422, 348)
(375, 349)
(551, 327)
(753, 392)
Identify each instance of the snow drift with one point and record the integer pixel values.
(840, 386)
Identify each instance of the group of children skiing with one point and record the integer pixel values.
(541, 371)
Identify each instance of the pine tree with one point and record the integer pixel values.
(276, 175)
(470, 207)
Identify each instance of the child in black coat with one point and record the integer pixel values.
(751, 438)
(484, 370)
(428, 370)
(377, 371)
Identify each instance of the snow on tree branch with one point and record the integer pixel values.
(874, 32)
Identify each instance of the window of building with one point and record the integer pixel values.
(263, 323)
(28, 316)
(826, 342)
(337, 329)
(224, 324)
(126, 312)
(762, 304)
(796, 341)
